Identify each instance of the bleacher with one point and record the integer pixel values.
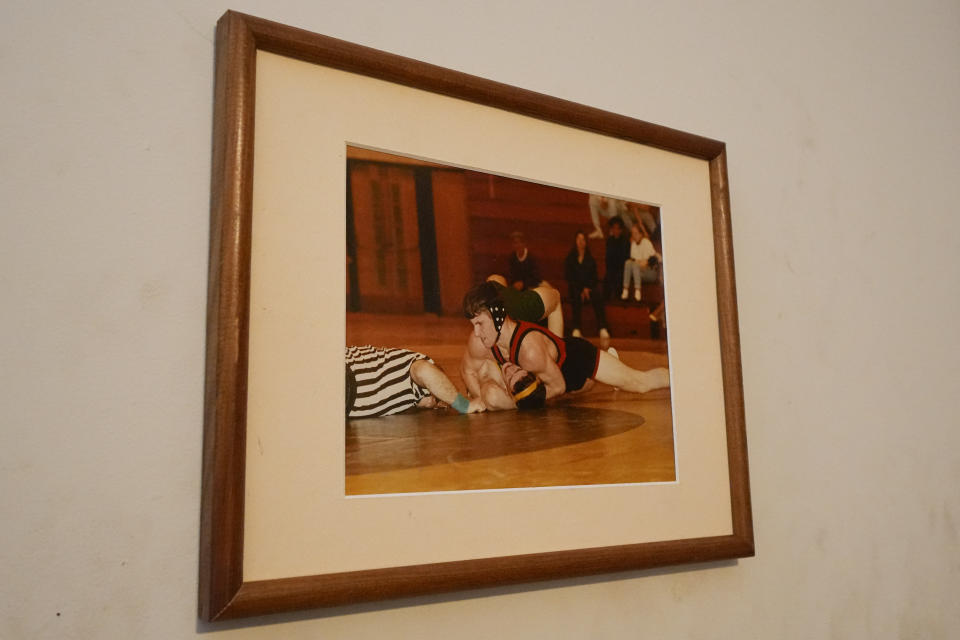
(549, 218)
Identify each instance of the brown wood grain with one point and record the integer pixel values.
(451, 218)
(223, 594)
(730, 350)
(291, 594)
(221, 530)
(346, 56)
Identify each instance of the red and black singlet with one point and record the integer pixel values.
(521, 331)
(577, 358)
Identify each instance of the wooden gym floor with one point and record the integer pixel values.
(603, 436)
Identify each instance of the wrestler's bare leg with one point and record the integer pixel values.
(616, 374)
(552, 310)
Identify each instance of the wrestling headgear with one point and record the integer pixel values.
(485, 296)
(529, 393)
(498, 312)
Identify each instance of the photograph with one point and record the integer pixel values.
(536, 307)
(500, 333)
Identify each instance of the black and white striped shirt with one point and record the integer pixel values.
(383, 382)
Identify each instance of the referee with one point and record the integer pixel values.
(382, 381)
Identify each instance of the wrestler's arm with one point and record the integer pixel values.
(495, 396)
(471, 365)
(426, 374)
(535, 357)
(482, 377)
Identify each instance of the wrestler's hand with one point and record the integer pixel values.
(429, 402)
(476, 406)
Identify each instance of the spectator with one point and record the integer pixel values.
(523, 272)
(608, 208)
(580, 270)
(644, 216)
(617, 252)
(642, 266)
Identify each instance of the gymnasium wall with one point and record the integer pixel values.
(466, 220)
(840, 121)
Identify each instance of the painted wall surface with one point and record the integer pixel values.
(844, 152)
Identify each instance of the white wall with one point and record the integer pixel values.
(844, 157)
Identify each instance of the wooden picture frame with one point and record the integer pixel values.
(225, 591)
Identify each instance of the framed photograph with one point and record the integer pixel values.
(364, 206)
(420, 236)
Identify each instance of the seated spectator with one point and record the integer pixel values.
(580, 270)
(617, 252)
(523, 272)
(607, 208)
(643, 264)
(643, 216)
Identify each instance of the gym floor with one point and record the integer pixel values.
(601, 436)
